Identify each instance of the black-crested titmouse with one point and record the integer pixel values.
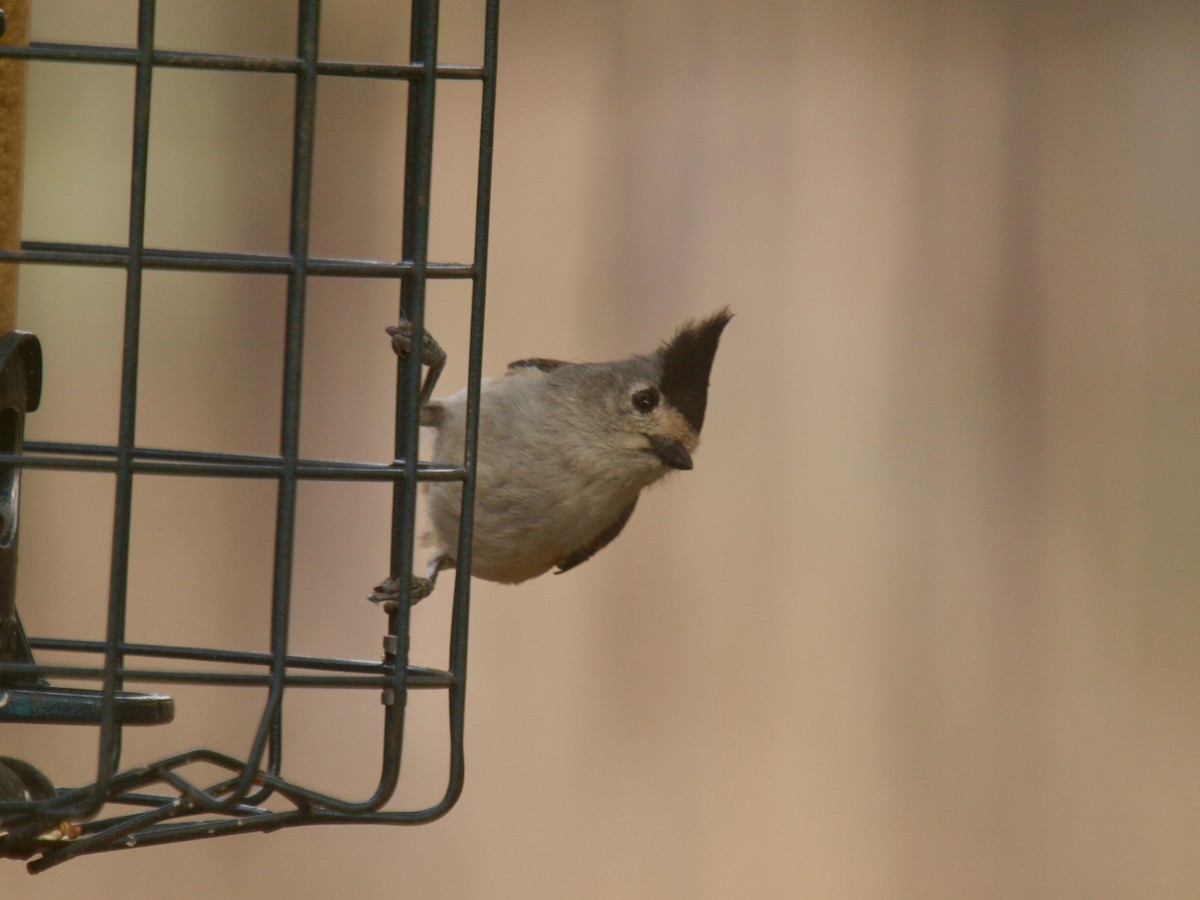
(564, 450)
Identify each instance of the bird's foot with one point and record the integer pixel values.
(432, 354)
(387, 592)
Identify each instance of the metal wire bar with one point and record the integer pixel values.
(418, 166)
(101, 458)
(108, 256)
(270, 728)
(460, 615)
(418, 676)
(288, 65)
(414, 677)
(110, 734)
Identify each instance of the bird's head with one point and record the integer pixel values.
(658, 400)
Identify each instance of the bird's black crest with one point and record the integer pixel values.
(687, 360)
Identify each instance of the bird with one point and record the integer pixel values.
(564, 451)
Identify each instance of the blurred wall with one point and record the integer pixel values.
(922, 622)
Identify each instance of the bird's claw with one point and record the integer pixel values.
(432, 354)
(387, 592)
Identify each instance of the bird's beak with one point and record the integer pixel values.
(671, 452)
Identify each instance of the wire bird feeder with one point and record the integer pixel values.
(52, 824)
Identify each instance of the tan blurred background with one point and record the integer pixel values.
(922, 623)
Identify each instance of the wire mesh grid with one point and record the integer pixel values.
(170, 807)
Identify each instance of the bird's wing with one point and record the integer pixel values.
(602, 540)
(546, 365)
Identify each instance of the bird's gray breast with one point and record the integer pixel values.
(545, 486)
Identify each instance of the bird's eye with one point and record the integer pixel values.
(645, 399)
